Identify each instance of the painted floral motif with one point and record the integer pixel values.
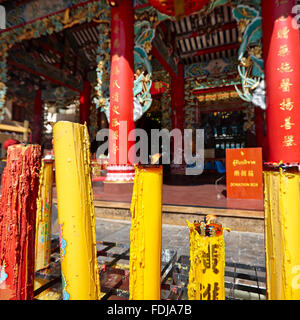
(62, 243)
(66, 295)
(3, 274)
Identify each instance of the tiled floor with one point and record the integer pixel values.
(240, 247)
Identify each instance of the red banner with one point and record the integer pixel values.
(244, 173)
(281, 47)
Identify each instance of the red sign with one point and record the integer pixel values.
(244, 175)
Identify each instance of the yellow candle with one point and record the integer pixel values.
(76, 215)
(207, 266)
(43, 225)
(282, 236)
(145, 234)
(43, 216)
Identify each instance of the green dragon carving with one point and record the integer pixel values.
(251, 67)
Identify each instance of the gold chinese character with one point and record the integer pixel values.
(116, 70)
(116, 29)
(287, 124)
(116, 135)
(285, 67)
(287, 105)
(115, 84)
(115, 149)
(250, 173)
(116, 97)
(289, 141)
(283, 51)
(236, 173)
(285, 85)
(116, 17)
(115, 58)
(115, 109)
(115, 123)
(283, 33)
(244, 173)
(116, 44)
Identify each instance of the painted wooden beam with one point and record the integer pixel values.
(47, 16)
(193, 34)
(41, 74)
(215, 90)
(231, 46)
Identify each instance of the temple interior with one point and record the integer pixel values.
(59, 66)
(86, 86)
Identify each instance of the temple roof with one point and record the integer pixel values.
(202, 38)
(69, 57)
(65, 58)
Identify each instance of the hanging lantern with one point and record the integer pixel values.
(178, 8)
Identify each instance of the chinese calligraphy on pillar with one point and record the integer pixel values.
(121, 122)
(282, 67)
(121, 82)
(285, 68)
(115, 123)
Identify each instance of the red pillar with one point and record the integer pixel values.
(20, 184)
(259, 126)
(177, 98)
(121, 92)
(38, 118)
(260, 132)
(177, 102)
(281, 48)
(85, 104)
(261, 138)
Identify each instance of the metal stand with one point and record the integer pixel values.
(242, 282)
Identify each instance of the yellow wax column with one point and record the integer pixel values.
(76, 214)
(43, 216)
(43, 224)
(282, 234)
(145, 234)
(207, 266)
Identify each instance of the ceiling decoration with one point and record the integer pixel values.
(95, 11)
(19, 12)
(67, 56)
(211, 68)
(201, 38)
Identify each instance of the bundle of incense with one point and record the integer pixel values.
(209, 227)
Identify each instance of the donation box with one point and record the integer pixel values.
(244, 173)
